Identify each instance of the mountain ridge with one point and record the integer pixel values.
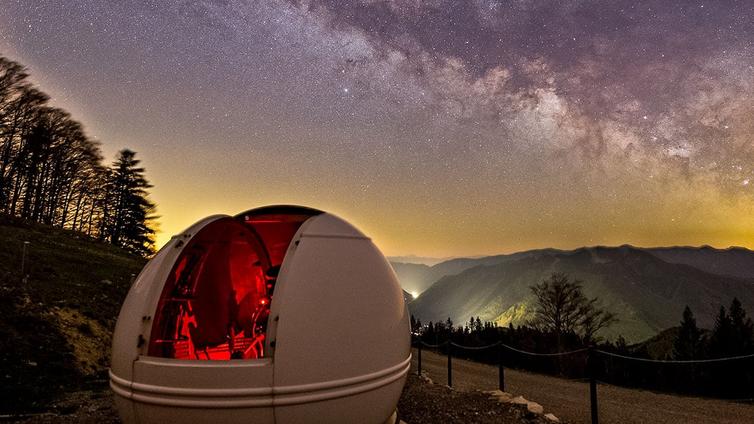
(646, 291)
(727, 261)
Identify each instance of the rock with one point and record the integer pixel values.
(552, 418)
(532, 407)
(427, 379)
(535, 408)
(500, 395)
(519, 400)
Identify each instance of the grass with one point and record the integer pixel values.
(55, 325)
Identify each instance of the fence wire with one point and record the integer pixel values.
(674, 361)
(433, 346)
(524, 352)
(599, 351)
(475, 347)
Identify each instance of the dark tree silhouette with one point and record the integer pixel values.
(688, 344)
(130, 212)
(562, 308)
(721, 341)
(52, 173)
(742, 329)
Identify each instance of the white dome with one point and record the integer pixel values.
(281, 314)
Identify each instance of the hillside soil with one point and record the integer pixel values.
(91, 406)
(56, 318)
(569, 400)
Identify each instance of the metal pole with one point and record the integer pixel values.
(450, 364)
(591, 369)
(501, 369)
(419, 360)
(23, 259)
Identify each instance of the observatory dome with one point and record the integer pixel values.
(282, 314)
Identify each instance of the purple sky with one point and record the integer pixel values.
(438, 127)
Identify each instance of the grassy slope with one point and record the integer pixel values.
(55, 327)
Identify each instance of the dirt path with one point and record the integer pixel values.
(569, 400)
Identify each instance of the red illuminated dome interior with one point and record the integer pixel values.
(217, 298)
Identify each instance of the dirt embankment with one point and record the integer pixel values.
(423, 402)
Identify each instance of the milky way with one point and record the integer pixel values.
(440, 127)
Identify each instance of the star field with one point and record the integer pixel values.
(439, 127)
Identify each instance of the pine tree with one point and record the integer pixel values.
(721, 341)
(741, 328)
(449, 324)
(129, 211)
(687, 343)
(478, 325)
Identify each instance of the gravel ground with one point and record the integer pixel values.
(420, 403)
(569, 400)
(85, 407)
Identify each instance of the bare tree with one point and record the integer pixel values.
(52, 173)
(562, 308)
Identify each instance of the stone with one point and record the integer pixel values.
(519, 400)
(535, 408)
(504, 397)
(499, 396)
(552, 418)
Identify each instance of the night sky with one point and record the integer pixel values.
(438, 127)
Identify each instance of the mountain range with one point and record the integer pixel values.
(421, 260)
(646, 287)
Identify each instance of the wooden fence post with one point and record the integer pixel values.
(419, 359)
(450, 364)
(592, 370)
(501, 369)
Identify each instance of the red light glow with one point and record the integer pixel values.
(217, 299)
